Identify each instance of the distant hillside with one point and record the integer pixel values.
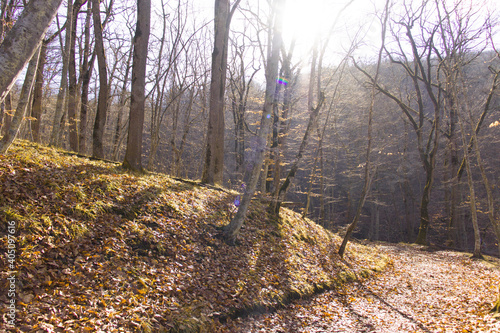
(99, 249)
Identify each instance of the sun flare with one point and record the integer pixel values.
(305, 21)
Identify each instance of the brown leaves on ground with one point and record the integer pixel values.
(440, 291)
(102, 250)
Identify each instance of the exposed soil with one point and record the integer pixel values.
(425, 290)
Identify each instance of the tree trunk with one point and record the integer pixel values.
(8, 113)
(232, 229)
(60, 103)
(133, 153)
(121, 108)
(21, 105)
(73, 86)
(37, 108)
(86, 71)
(102, 102)
(21, 42)
(214, 155)
(424, 207)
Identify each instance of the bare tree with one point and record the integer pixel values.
(416, 60)
(240, 84)
(314, 107)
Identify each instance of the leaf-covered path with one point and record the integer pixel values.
(423, 291)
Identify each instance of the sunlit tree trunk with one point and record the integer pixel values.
(73, 85)
(22, 105)
(86, 71)
(37, 108)
(57, 123)
(214, 154)
(102, 102)
(133, 153)
(8, 113)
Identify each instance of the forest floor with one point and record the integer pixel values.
(424, 290)
(100, 249)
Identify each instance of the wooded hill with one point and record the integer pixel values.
(98, 248)
(417, 121)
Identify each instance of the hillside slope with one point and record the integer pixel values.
(100, 249)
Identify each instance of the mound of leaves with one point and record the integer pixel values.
(99, 250)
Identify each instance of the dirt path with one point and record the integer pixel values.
(424, 291)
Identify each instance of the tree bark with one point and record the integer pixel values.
(61, 95)
(73, 85)
(21, 42)
(133, 153)
(102, 103)
(21, 105)
(214, 154)
(86, 71)
(37, 108)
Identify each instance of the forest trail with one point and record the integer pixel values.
(423, 291)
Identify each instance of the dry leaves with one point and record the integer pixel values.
(104, 250)
(440, 291)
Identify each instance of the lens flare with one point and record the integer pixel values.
(282, 80)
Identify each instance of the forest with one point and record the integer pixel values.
(376, 121)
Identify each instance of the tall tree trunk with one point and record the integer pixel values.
(37, 108)
(102, 102)
(61, 95)
(136, 123)
(87, 68)
(424, 204)
(214, 155)
(21, 42)
(73, 85)
(21, 105)
(232, 229)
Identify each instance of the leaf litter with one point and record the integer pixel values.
(103, 250)
(422, 291)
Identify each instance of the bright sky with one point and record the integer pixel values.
(308, 19)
